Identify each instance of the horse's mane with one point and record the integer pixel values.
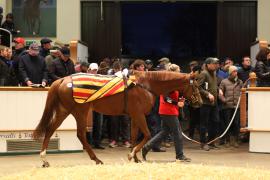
(158, 75)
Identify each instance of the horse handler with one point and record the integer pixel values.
(169, 111)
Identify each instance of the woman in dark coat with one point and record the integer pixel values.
(262, 67)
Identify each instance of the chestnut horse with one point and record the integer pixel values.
(139, 102)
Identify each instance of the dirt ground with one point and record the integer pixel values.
(230, 157)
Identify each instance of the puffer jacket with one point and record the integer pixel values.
(231, 92)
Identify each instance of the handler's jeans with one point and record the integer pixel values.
(170, 124)
(208, 122)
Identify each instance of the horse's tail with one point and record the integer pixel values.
(48, 113)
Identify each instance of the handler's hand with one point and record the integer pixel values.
(29, 83)
(211, 97)
(43, 84)
(181, 102)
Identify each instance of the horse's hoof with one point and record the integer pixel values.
(137, 160)
(130, 156)
(45, 164)
(99, 162)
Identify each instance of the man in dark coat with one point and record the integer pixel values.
(7, 76)
(243, 72)
(32, 67)
(62, 66)
(3, 68)
(17, 54)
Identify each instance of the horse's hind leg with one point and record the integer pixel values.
(81, 114)
(134, 136)
(59, 117)
(142, 125)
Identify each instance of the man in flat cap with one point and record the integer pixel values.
(61, 66)
(208, 88)
(164, 62)
(45, 47)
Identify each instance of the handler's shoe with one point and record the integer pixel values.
(213, 146)
(113, 144)
(183, 158)
(144, 152)
(205, 147)
(127, 144)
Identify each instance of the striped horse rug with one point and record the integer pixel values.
(89, 87)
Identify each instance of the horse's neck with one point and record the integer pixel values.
(162, 82)
(164, 87)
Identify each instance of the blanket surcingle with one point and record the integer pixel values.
(89, 87)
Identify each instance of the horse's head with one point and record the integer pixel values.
(191, 92)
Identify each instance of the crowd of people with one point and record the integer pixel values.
(220, 83)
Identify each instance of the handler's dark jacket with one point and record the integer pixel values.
(60, 68)
(33, 68)
(208, 84)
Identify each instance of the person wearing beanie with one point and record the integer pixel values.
(231, 88)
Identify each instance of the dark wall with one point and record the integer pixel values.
(176, 30)
(103, 37)
(237, 28)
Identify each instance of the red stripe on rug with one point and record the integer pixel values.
(115, 88)
(81, 94)
(91, 79)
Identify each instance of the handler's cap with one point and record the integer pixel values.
(164, 60)
(148, 61)
(19, 40)
(211, 60)
(34, 47)
(45, 41)
(93, 66)
(65, 51)
(232, 69)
